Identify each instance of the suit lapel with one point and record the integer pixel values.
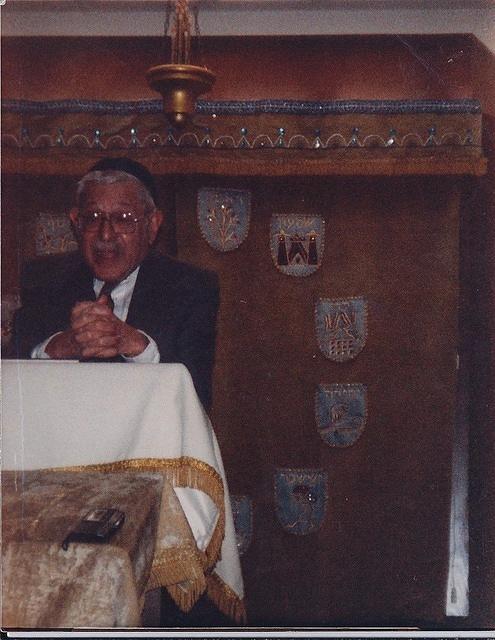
(80, 285)
(74, 284)
(154, 283)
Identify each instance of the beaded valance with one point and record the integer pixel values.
(258, 137)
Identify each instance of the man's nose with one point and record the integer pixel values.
(105, 230)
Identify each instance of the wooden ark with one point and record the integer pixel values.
(397, 157)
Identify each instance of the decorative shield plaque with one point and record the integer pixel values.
(341, 327)
(296, 243)
(54, 234)
(242, 510)
(341, 411)
(223, 216)
(300, 499)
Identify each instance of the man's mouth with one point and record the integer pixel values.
(106, 251)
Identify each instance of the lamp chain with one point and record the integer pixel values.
(181, 36)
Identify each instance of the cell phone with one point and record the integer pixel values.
(96, 526)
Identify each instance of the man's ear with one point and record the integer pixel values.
(155, 220)
(73, 215)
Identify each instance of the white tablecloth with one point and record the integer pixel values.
(130, 416)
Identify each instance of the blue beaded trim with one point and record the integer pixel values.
(338, 107)
(248, 107)
(330, 141)
(98, 107)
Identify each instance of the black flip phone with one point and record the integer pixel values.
(96, 526)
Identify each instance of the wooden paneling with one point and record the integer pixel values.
(381, 555)
(247, 68)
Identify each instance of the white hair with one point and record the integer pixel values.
(112, 176)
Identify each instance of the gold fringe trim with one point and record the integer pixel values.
(181, 572)
(141, 602)
(226, 599)
(186, 594)
(180, 472)
(174, 565)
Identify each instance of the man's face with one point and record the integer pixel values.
(113, 256)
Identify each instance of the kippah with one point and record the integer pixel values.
(132, 167)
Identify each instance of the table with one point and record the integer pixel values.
(44, 585)
(107, 417)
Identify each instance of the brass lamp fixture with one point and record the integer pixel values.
(179, 82)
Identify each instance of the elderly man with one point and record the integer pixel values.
(118, 300)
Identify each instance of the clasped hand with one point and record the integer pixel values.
(95, 332)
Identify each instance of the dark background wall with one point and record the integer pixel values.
(392, 483)
(479, 319)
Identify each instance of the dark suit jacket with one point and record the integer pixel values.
(174, 303)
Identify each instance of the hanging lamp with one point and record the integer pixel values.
(179, 82)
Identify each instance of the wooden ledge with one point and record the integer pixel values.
(258, 163)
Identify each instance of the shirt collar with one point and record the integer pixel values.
(126, 283)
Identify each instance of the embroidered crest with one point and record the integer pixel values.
(242, 510)
(54, 234)
(300, 499)
(223, 216)
(341, 327)
(297, 243)
(341, 412)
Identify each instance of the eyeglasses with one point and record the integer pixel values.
(121, 222)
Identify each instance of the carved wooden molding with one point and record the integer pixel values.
(269, 137)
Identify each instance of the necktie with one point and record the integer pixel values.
(106, 290)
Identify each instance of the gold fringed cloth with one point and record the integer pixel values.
(144, 418)
(178, 564)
